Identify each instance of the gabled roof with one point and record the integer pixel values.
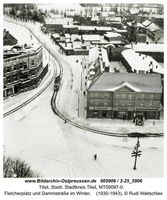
(146, 23)
(153, 27)
(137, 82)
(128, 85)
(141, 62)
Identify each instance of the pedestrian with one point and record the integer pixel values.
(65, 121)
(95, 156)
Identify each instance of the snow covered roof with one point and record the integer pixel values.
(105, 14)
(112, 35)
(95, 18)
(141, 62)
(92, 72)
(111, 13)
(91, 37)
(75, 37)
(63, 21)
(56, 35)
(94, 28)
(70, 26)
(146, 23)
(136, 82)
(134, 11)
(20, 50)
(77, 45)
(93, 54)
(143, 47)
(105, 56)
(67, 35)
(113, 19)
(135, 24)
(153, 27)
(120, 30)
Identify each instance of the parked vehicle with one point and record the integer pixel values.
(57, 83)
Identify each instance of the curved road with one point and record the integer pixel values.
(56, 149)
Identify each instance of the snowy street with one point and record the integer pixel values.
(56, 149)
(37, 135)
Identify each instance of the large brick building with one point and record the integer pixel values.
(22, 69)
(114, 95)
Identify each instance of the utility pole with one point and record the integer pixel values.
(136, 153)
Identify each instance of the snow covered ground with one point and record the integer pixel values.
(55, 149)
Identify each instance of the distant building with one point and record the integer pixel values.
(140, 63)
(156, 51)
(141, 38)
(112, 36)
(93, 29)
(56, 24)
(90, 38)
(74, 48)
(155, 32)
(123, 32)
(124, 95)
(159, 20)
(134, 30)
(23, 69)
(8, 39)
(71, 29)
(114, 22)
(55, 37)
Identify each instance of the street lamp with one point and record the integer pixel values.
(136, 153)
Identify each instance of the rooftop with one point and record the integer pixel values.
(153, 27)
(56, 35)
(113, 19)
(134, 11)
(141, 62)
(146, 23)
(150, 47)
(19, 50)
(91, 37)
(136, 82)
(105, 28)
(62, 21)
(112, 35)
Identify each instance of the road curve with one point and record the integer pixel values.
(63, 117)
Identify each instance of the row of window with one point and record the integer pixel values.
(117, 103)
(17, 76)
(125, 96)
(18, 66)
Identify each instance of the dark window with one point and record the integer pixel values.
(95, 113)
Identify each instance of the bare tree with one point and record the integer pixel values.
(7, 166)
(17, 168)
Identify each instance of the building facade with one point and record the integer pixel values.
(23, 71)
(123, 96)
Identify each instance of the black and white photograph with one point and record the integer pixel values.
(83, 90)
